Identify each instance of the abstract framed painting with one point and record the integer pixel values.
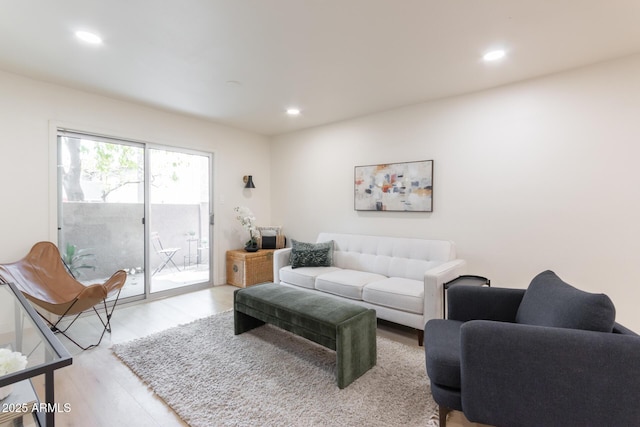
(400, 187)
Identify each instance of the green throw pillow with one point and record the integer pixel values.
(311, 254)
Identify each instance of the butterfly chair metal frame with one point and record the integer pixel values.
(46, 281)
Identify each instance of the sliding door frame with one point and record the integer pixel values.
(55, 198)
(147, 222)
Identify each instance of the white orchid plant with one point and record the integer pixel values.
(11, 361)
(247, 220)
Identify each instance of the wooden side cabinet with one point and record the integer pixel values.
(249, 268)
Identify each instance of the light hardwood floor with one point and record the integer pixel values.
(103, 392)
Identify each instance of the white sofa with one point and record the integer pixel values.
(400, 278)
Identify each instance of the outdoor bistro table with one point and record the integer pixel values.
(22, 329)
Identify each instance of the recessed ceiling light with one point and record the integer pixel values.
(494, 55)
(88, 37)
(293, 111)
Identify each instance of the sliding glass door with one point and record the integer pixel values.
(100, 209)
(131, 206)
(178, 218)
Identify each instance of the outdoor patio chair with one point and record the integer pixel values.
(166, 254)
(47, 282)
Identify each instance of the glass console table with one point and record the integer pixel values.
(22, 329)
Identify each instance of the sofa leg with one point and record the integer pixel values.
(420, 337)
(443, 411)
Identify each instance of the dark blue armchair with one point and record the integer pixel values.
(548, 356)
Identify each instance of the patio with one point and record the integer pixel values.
(168, 278)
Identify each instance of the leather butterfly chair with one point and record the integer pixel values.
(46, 281)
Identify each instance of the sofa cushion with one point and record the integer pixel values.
(304, 276)
(551, 302)
(346, 283)
(443, 351)
(311, 254)
(396, 292)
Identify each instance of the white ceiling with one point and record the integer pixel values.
(335, 59)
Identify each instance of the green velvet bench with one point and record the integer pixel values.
(347, 328)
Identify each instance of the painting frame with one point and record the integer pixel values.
(394, 187)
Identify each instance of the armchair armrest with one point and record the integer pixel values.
(434, 279)
(481, 303)
(619, 329)
(280, 259)
(525, 375)
(116, 281)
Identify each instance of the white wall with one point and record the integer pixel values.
(539, 175)
(28, 108)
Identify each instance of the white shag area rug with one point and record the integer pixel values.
(270, 377)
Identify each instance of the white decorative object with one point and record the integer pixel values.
(10, 361)
(247, 220)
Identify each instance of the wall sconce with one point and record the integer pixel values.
(248, 181)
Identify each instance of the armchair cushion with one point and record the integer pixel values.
(549, 301)
(443, 352)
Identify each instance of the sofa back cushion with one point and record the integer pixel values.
(549, 301)
(389, 256)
